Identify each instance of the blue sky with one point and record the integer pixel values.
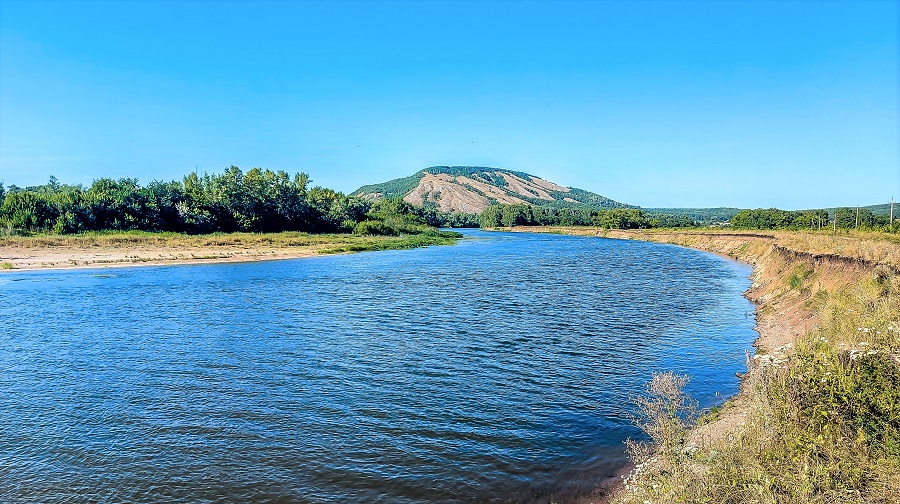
(671, 103)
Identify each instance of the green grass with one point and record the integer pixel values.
(799, 276)
(7, 265)
(278, 240)
(374, 243)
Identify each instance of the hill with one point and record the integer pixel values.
(879, 209)
(471, 189)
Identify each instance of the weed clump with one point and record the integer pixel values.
(665, 414)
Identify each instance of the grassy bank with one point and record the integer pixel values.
(136, 247)
(818, 416)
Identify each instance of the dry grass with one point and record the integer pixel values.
(866, 245)
(870, 246)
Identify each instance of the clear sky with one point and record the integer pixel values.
(669, 103)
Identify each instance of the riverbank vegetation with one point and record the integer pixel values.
(841, 218)
(862, 219)
(233, 216)
(258, 201)
(505, 215)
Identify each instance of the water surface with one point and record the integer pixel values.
(497, 370)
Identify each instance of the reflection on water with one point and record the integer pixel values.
(498, 370)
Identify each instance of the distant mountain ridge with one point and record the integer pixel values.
(471, 189)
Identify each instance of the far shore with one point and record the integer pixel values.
(56, 252)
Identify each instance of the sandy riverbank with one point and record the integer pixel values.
(137, 249)
(41, 258)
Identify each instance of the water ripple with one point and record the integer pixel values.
(498, 370)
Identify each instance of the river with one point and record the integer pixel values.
(497, 370)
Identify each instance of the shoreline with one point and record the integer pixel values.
(55, 253)
(101, 260)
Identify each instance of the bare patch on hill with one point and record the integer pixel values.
(457, 194)
(472, 194)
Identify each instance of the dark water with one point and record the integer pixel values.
(498, 370)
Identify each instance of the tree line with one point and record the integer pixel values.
(266, 201)
(505, 215)
(254, 201)
(843, 218)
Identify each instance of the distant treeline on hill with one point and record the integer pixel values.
(842, 218)
(615, 218)
(266, 201)
(255, 201)
(505, 215)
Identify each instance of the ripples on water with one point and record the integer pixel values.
(498, 370)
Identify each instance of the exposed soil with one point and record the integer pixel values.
(469, 195)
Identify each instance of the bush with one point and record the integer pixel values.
(374, 228)
(664, 414)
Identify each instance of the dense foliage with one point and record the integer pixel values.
(396, 188)
(528, 215)
(703, 216)
(255, 201)
(843, 218)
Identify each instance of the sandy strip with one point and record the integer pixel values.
(51, 257)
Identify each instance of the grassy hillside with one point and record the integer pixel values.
(880, 209)
(396, 188)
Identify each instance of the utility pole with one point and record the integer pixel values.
(892, 210)
(857, 218)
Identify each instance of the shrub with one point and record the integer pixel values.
(375, 228)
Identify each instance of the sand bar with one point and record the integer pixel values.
(125, 249)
